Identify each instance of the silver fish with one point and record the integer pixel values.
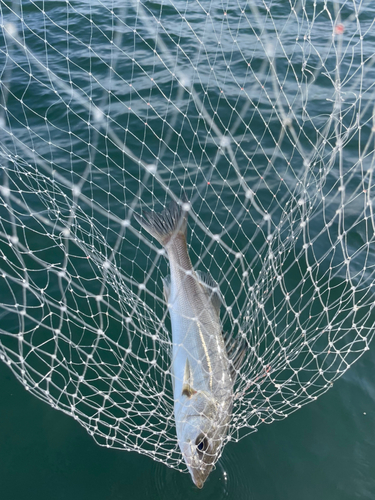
(202, 372)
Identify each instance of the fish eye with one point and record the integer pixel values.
(202, 444)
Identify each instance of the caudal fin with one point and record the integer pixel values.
(164, 225)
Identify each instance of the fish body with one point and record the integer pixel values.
(200, 367)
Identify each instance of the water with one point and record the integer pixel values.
(326, 449)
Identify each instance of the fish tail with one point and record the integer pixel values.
(165, 225)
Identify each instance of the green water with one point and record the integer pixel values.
(325, 450)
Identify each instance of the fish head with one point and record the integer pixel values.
(201, 436)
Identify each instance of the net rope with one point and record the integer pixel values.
(263, 115)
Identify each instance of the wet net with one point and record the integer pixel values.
(262, 113)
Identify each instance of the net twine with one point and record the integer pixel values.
(105, 110)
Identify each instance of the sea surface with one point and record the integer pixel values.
(325, 450)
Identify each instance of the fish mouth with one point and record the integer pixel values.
(199, 470)
(198, 482)
(199, 476)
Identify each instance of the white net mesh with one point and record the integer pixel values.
(263, 114)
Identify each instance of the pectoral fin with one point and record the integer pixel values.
(187, 385)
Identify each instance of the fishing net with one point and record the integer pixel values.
(262, 113)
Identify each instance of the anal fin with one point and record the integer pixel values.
(211, 288)
(167, 288)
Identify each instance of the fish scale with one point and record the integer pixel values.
(202, 374)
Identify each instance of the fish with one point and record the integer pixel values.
(203, 373)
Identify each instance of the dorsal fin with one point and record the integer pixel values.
(236, 350)
(211, 288)
(187, 385)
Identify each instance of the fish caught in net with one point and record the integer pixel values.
(263, 116)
